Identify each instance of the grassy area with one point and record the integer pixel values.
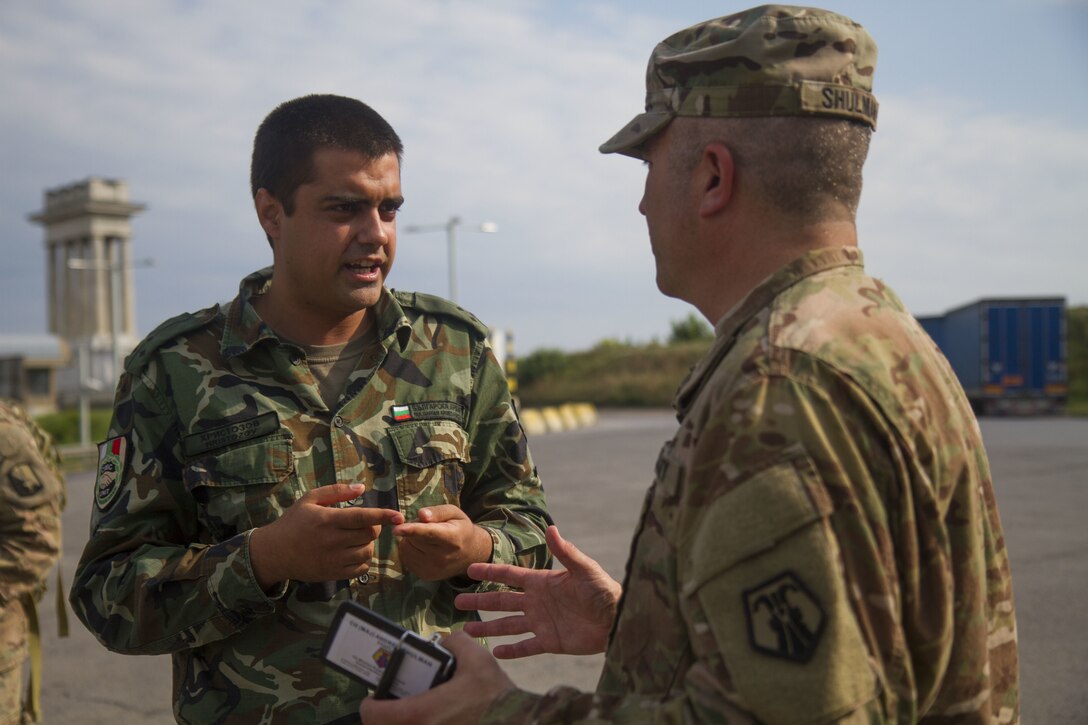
(626, 374)
(64, 425)
(1077, 408)
(611, 374)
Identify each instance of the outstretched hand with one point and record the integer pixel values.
(568, 611)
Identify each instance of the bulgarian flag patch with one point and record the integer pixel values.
(401, 413)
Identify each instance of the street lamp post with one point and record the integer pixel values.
(86, 382)
(450, 227)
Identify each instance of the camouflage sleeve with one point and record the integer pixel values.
(149, 580)
(763, 591)
(502, 491)
(770, 612)
(31, 495)
(791, 581)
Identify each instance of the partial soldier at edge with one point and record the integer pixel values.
(32, 497)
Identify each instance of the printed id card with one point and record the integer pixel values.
(395, 662)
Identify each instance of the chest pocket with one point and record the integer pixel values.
(239, 488)
(431, 455)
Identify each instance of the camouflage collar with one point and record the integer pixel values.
(245, 328)
(391, 320)
(729, 327)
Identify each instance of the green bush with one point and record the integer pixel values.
(539, 364)
(64, 425)
(690, 329)
(611, 374)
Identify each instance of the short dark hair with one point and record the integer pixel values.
(284, 147)
(807, 168)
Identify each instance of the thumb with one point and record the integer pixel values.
(569, 555)
(439, 513)
(334, 493)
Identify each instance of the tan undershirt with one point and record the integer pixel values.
(332, 364)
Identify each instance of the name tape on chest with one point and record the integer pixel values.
(429, 410)
(228, 434)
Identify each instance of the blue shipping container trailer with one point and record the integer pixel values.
(1009, 353)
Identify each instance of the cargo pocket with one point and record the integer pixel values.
(431, 455)
(243, 487)
(765, 571)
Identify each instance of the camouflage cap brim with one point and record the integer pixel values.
(772, 60)
(630, 139)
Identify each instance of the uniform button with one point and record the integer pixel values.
(338, 422)
(363, 578)
(296, 359)
(419, 449)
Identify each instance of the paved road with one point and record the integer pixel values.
(596, 479)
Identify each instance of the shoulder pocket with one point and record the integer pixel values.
(755, 516)
(765, 574)
(28, 481)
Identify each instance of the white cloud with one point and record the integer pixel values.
(962, 204)
(501, 106)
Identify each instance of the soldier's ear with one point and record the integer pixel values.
(714, 176)
(269, 213)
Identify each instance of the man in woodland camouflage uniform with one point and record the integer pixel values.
(319, 439)
(31, 499)
(821, 542)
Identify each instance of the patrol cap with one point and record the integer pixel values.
(773, 60)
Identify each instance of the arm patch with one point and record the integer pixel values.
(765, 575)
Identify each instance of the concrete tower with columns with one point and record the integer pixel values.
(89, 276)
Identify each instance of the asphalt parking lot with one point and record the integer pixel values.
(595, 480)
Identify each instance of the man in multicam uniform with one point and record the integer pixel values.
(319, 439)
(821, 542)
(31, 500)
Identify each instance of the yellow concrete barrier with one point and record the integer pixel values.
(533, 422)
(570, 420)
(586, 413)
(553, 418)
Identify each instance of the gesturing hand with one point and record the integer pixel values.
(441, 543)
(568, 611)
(315, 541)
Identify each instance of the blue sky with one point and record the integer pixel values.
(976, 185)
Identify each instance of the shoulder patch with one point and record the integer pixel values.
(785, 619)
(435, 305)
(112, 457)
(164, 333)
